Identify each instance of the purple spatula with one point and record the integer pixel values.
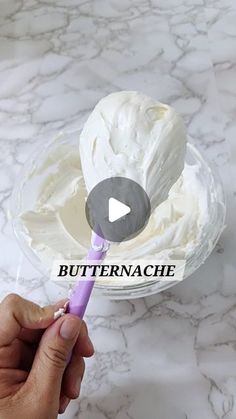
(82, 290)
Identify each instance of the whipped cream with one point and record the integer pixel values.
(132, 135)
(56, 226)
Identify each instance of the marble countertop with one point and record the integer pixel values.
(172, 355)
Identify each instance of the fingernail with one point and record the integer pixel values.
(64, 404)
(90, 344)
(61, 302)
(69, 329)
(78, 385)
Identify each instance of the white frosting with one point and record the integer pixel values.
(128, 134)
(59, 313)
(56, 226)
(132, 135)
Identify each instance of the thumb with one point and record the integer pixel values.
(52, 355)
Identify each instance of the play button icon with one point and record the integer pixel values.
(118, 209)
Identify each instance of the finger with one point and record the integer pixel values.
(30, 335)
(64, 401)
(17, 313)
(27, 357)
(51, 357)
(10, 355)
(73, 377)
(17, 355)
(84, 346)
(11, 380)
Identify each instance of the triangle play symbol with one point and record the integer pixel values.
(116, 210)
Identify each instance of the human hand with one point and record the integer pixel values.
(35, 380)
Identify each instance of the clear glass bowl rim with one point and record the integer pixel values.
(115, 292)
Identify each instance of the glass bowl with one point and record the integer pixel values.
(24, 195)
